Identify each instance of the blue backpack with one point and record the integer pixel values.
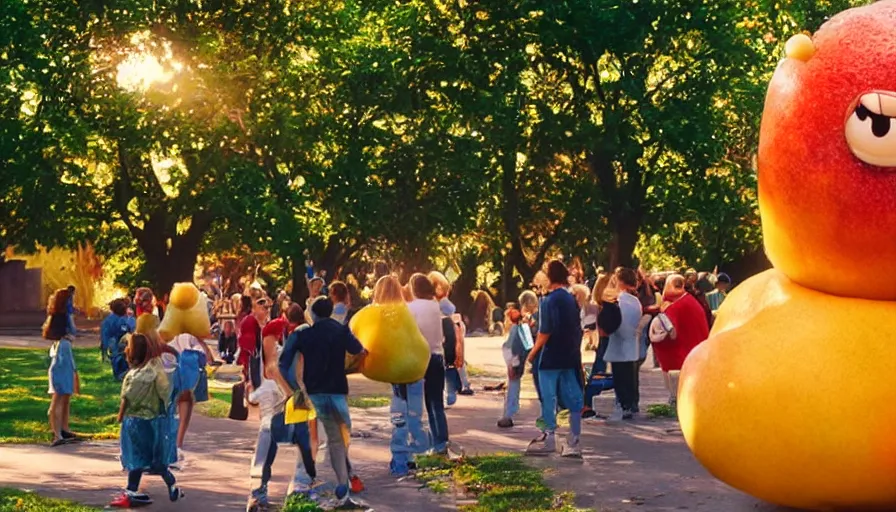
(113, 341)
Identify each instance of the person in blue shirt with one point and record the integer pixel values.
(322, 349)
(560, 367)
(114, 326)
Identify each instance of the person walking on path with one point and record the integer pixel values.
(428, 316)
(146, 437)
(279, 381)
(560, 366)
(409, 437)
(623, 350)
(323, 348)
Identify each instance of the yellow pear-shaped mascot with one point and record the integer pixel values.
(793, 397)
(187, 313)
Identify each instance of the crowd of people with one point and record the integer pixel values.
(622, 314)
(293, 358)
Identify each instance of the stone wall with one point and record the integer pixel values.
(20, 288)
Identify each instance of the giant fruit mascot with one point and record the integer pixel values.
(793, 397)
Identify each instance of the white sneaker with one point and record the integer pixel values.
(571, 449)
(617, 415)
(180, 462)
(545, 444)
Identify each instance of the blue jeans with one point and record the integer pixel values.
(512, 397)
(266, 451)
(332, 411)
(408, 434)
(434, 399)
(600, 366)
(535, 365)
(452, 384)
(565, 385)
(462, 375)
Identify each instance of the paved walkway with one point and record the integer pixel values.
(643, 465)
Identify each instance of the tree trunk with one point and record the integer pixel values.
(175, 261)
(299, 283)
(622, 244)
(462, 291)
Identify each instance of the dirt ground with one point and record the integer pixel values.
(643, 465)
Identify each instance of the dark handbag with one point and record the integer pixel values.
(238, 409)
(449, 345)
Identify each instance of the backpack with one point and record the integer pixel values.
(112, 346)
(450, 343)
(117, 358)
(610, 317)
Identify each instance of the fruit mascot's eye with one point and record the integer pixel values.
(871, 129)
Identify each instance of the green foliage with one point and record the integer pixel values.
(24, 400)
(369, 401)
(14, 500)
(378, 130)
(300, 503)
(217, 406)
(500, 483)
(661, 411)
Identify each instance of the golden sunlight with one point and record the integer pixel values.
(147, 64)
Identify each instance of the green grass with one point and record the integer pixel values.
(298, 503)
(24, 400)
(94, 414)
(661, 411)
(500, 483)
(475, 371)
(218, 405)
(13, 500)
(369, 401)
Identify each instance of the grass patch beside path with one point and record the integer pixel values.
(24, 399)
(661, 411)
(499, 483)
(369, 401)
(14, 500)
(475, 371)
(218, 405)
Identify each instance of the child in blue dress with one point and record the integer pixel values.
(63, 374)
(147, 439)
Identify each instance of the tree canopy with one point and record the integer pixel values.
(396, 131)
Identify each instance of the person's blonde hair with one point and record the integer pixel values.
(440, 283)
(388, 290)
(581, 293)
(603, 280)
(541, 281)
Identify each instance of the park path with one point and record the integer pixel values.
(644, 465)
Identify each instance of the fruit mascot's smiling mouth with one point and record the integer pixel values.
(870, 130)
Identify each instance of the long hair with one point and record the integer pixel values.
(482, 310)
(58, 302)
(138, 350)
(388, 290)
(597, 293)
(56, 326)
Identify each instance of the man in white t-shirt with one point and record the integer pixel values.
(428, 316)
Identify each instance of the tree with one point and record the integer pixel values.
(130, 111)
